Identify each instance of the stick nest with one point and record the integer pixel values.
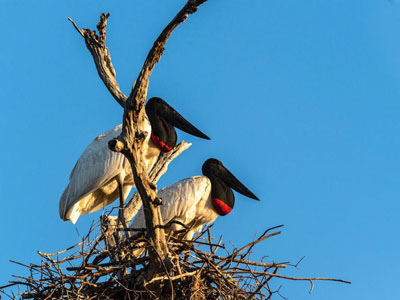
(203, 268)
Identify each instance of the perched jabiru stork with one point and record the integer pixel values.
(198, 200)
(101, 175)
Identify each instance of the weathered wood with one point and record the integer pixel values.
(130, 141)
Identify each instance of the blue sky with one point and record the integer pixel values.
(300, 98)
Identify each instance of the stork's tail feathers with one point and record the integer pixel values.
(73, 213)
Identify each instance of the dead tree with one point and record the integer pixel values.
(129, 143)
(172, 268)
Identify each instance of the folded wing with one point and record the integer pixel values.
(96, 167)
(185, 201)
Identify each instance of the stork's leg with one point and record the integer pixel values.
(121, 217)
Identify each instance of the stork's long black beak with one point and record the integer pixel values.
(214, 166)
(168, 113)
(234, 183)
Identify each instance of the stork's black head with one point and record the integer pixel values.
(222, 180)
(163, 118)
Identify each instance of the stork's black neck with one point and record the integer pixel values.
(222, 196)
(163, 134)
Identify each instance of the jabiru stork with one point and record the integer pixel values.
(197, 200)
(100, 175)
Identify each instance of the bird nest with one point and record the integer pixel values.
(203, 268)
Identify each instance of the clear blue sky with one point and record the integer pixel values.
(300, 98)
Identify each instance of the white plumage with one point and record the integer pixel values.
(187, 201)
(100, 175)
(198, 200)
(93, 183)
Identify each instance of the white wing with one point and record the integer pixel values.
(186, 201)
(95, 168)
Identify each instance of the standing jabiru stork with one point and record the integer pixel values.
(100, 175)
(198, 200)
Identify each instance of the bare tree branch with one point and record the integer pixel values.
(101, 56)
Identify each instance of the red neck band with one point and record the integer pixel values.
(221, 207)
(160, 144)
